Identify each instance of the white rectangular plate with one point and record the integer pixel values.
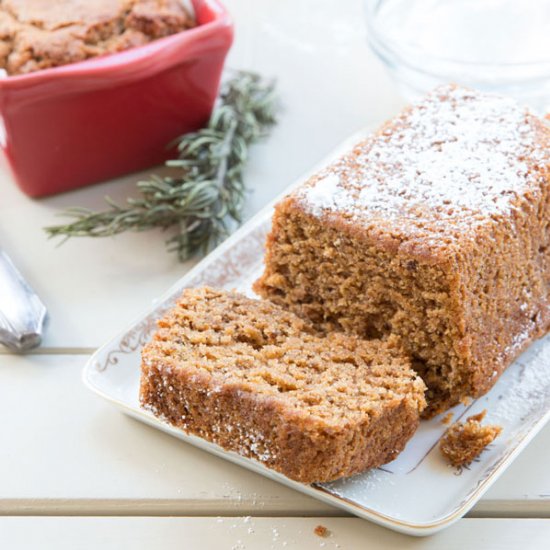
(416, 494)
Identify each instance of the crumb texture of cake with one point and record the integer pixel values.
(258, 380)
(435, 229)
(37, 34)
(465, 441)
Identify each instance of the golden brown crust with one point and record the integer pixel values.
(248, 377)
(302, 451)
(37, 35)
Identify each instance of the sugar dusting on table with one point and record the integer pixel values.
(458, 154)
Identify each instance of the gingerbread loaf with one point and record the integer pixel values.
(36, 34)
(258, 380)
(436, 230)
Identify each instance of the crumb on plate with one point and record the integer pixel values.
(464, 441)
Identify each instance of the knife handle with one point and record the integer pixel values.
(22, 313)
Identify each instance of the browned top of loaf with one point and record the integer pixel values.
(255, 347)
(37, 34)
(454, 161)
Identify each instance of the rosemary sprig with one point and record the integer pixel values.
(200, 202)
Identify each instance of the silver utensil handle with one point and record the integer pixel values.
(22, 313)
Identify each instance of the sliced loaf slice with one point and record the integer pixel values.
(258, 380)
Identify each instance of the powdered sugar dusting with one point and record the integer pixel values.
(327, 193)
(527, 395)
(458, 155)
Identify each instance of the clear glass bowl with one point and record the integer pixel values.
(500, 46)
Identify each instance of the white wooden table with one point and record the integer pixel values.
(75, 473)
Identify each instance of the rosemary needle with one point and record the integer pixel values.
(206, 192)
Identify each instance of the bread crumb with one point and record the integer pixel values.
(463, 442)
(466, 401)
(447, 419)
(321, 531)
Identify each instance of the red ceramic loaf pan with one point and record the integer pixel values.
(70, 126)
